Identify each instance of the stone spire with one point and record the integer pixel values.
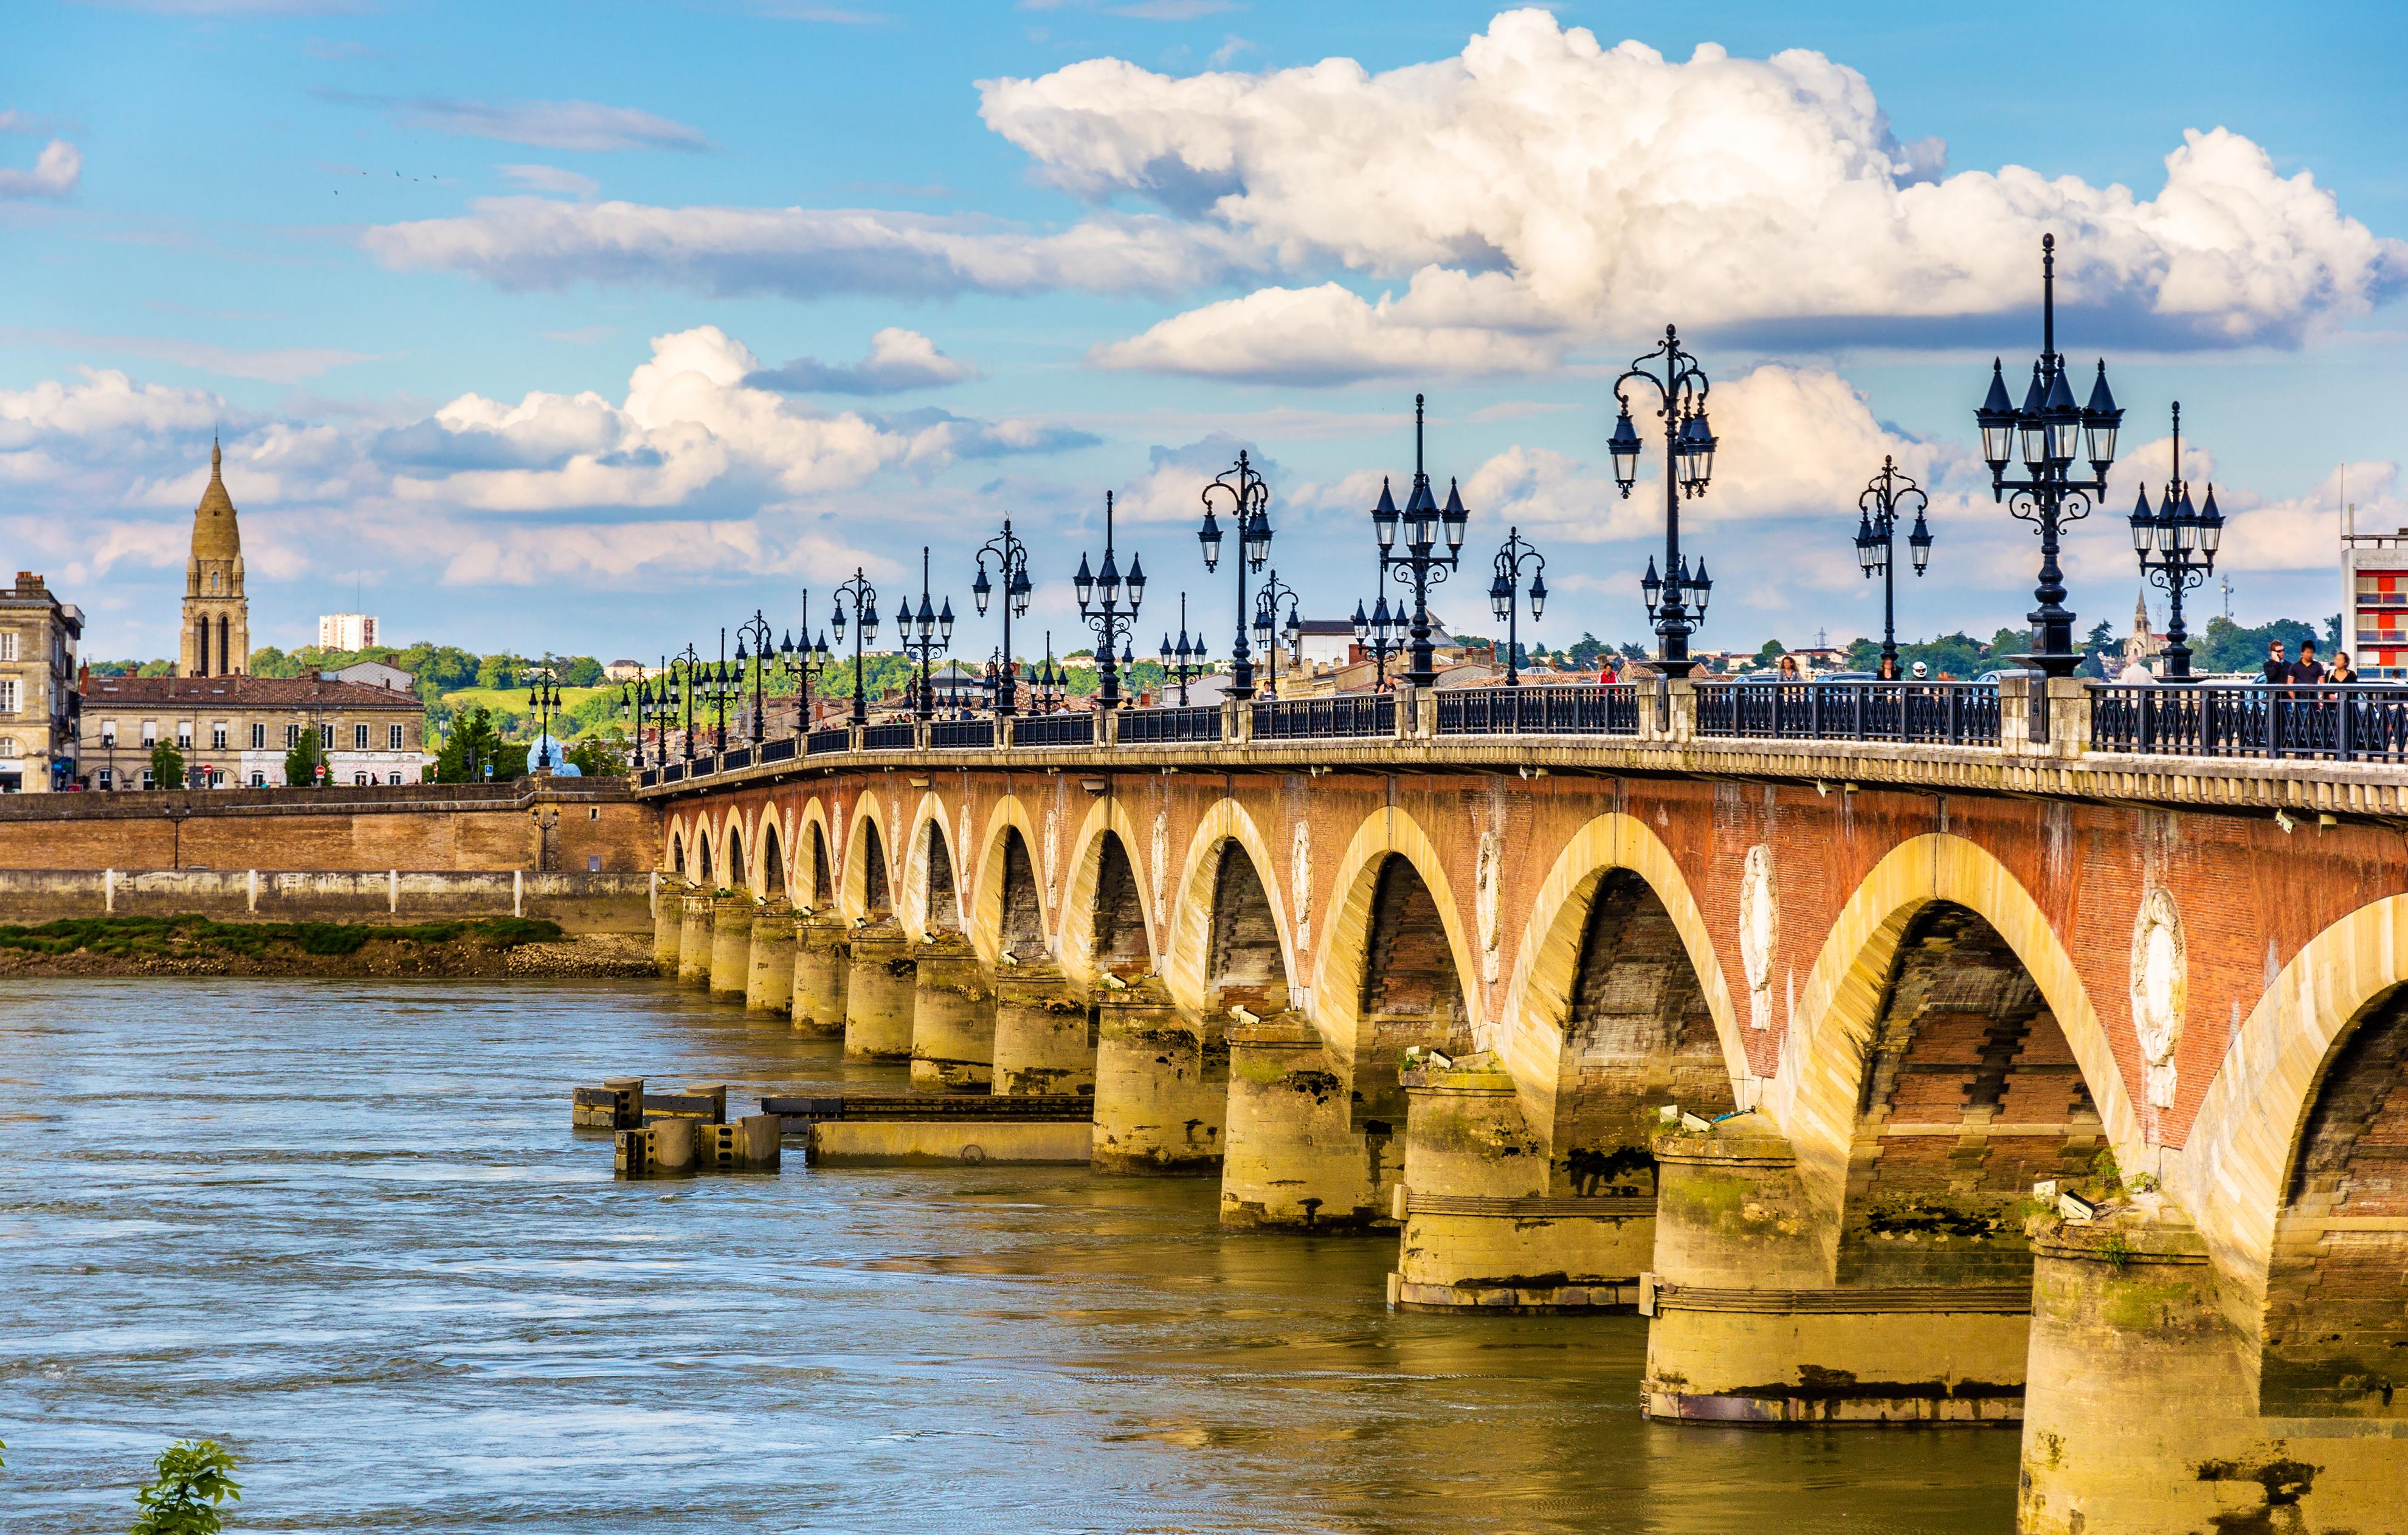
(216, 625)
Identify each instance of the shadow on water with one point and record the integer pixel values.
(345, 1227)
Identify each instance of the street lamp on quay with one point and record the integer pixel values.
(863, 598)
(1877, 511)
(720, 686)
(2177, 546)
(640, 702)
(755, 631)
(1266, 623)
(1100, 605)
(1011, 562)
(924, 635)
(1184, 660)
(1676, 600)
(1505, 591)
(806, 662)
(2050, 431)
(1424, 522)
(1380, 629)
(1250, 502)
(543, 702)
(685, 678)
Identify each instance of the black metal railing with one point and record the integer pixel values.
(2346, 724)
(834, 737)
(1054, 730)
(1344, 714)
(951, 735)
(1929, 713)
(1585, 710)
(647, 777)
(740, 757)
(781, 749)
(673, 772)
(1155, 726)
(893, 736)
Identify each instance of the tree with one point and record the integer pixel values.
(195, 1477)
(469, 747)
(603, 755)
(303, 760)
(499, 671)
(580, 671)
(1584, 652)
(166, 765)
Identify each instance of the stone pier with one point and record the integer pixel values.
(1295, 1157)
(1162, 1085)
(693, 939)
(878, 997)
(1043, 1042)
(1481, 1228)
(953, 1018)
(668, 923)
(823, 965)
(769, 977)
(731, 945)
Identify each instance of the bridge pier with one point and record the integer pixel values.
(1749, 1328)
(1479, 1228)
(953, 1018)
(1043, 1042)
(769, 977)
(878, 1000)
(1295, 1155)
(693, 940)
(731, 945)
(668, 923)
(823, 961)
(2143, 1411)
(1162, 1087)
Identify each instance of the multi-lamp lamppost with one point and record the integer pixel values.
(543, 702)
(1010, 557)
(1099, 604)
(1267, 624)
(861, 598)
(1676, 599)
(2176, 545)
(924, 633)
(1184, 660)
(1423, 522)
(1250, 502)
(1505, 592)
(1877, 514)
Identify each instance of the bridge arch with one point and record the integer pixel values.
(677, 845)
(870, 877)
(769, 883)
(1229, 926)
(996, 922)
(932, 888)
(1107, 920)
(814, 878)
(1373, 984)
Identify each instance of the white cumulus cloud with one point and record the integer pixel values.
(898, 360)
(55, 170)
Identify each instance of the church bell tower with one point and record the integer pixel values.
(217, 616)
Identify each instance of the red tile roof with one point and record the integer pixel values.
(244, 692)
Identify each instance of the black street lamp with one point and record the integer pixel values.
(685, 678)
(1047, 686)
(1676, 600)
(543, 702)
(647, 700)
(806, 662)
(1381, 629)
(924, 635)
(755, 631)
(1266, 623)
(1011, 562)
(1505, 591)
(1425, 523)
(1877, 511)
(1100, 605)
(1186, 659)
(2050, 430)
(863, 598)
(720, 686)
(1250, 501)
(2177, 545)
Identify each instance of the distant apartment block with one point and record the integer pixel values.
(346, 631)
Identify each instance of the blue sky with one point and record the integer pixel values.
(595, 327)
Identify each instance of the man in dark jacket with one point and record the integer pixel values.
(2277, 668)
(2306, 669)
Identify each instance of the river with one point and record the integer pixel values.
(345, 1228)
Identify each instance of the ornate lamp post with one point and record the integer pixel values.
(1877, 511)
(543, 702)
(684, 678)
(1381, 628)
(2050, 431)
(924, 635)
(1267, 624)
(1186, 659)
(1250, 501)
(1505, 591)
(805, 662)
(863, 598)
(1099, 604)
(1011, 562)
(720, 686)
(2177, 545)
(755, 631)
(1047, 684)
(1676, 600)
(1424, 522)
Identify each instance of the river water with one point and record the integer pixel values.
(345, 1228)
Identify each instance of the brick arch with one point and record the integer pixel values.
(813, 881)
(868, 875)
(1370, 991)
(1097, 895)
(932, 889)
(986, 923)
(770, 883)
(1188, 947)
(1543, 990)
(1816, 1095)
(676, 842)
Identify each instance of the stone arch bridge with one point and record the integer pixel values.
(1976, 1075)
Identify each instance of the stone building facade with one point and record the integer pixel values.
(38, 636)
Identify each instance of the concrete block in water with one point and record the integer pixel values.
(664, 1148)
(705, 1101)
(924, 1142)
(618, 1104)
(750, 1145)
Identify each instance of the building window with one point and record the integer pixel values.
(109, 735)
(7, 644)
(9, 695)
(394, 779)
(258, 778)
(359, 737)
(184, 735)
(147, 782)
(393, 739)
(326, 737)
(258, 736)
(292, 736)
(360, 779)
(216, 736)
(149, 737)
(107, 780)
